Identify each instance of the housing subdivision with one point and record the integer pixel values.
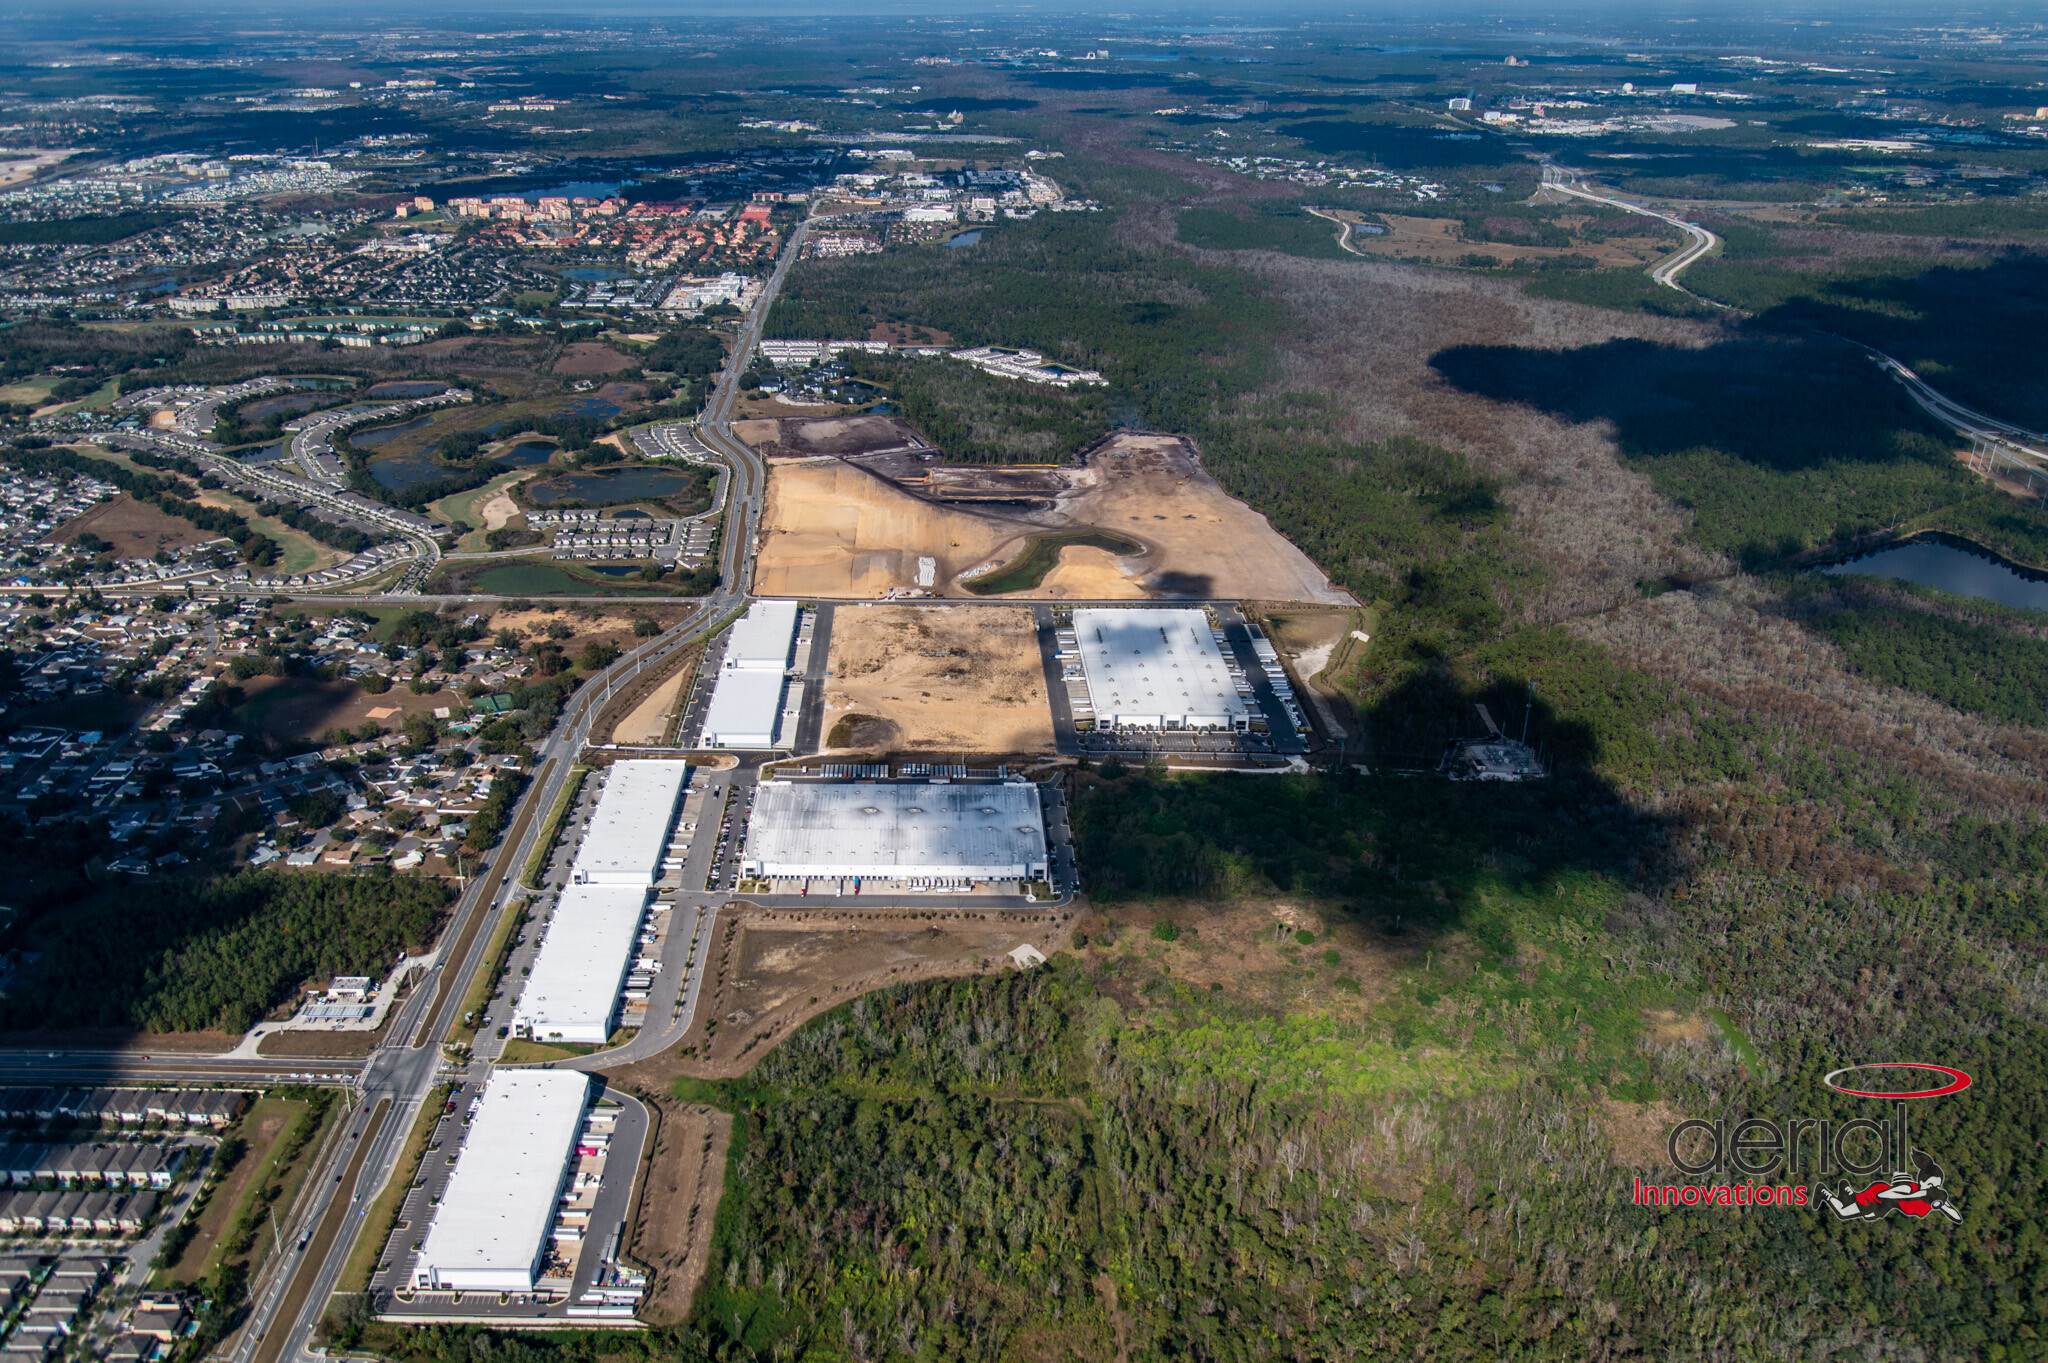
(893, 837)
(492, 1231)
(576, 986)
(754, 700)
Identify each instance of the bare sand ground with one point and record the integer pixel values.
(937, 679)
(499, 510)
(1085, 573)
(1204, 542)
(841, 431)
(678, 1204)
(611, 624)
(648, 722)
(835, 530)
(757, 433)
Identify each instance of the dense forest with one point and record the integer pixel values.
(1971, 655)
(216, 953)
(976, 418)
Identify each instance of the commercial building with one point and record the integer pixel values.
(491, 1229)
(760, 640)
(571, 994)
(746, 699)
(629, 831)
(1158, 669)
(923, 834)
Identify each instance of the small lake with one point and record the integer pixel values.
(1930, 563)
(578, 189)
(526, 454)
(264, 454)
(401, 471)
(384, 435)
(406, 388)
(965, 238)
(609, 485)
(267, 407)
(596, 408)
(590, 274)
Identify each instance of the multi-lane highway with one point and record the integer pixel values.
(2006, 443)
(1699, 241)
(400, 1075)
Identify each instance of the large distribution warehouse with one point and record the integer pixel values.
(629, 832)
(571, 994)
(1157, 668)
(491, 1228)
(746, 699)
(930, 835)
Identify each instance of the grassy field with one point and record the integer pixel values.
(1038, 560)
(382, 1217)
(36, 390)
(463, 507)
(299, 553)
(271, 1171)
(543, 577)
(518, 1052)
(266, 1126)
(96, 399)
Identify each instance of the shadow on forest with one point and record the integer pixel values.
(1777, 444)
(1786, 405)
(1400, 852)
(1972, 331)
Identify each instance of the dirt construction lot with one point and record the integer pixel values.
(773, 970)
(135, 529)
(805, 437)
(833, 530)
(678, 1203)
(936, 679)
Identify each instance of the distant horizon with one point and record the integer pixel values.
(448, 17)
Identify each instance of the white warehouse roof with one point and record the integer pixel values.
(896, 831)
(745, 710)
(629, 831)
(572, 991)
(492, 1224)
(760, 640)
(1157, 668)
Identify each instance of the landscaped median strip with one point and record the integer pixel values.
(552, 832)
(383, 1218)
(487, 971)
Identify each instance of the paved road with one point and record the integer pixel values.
(406, 1068)
(2005, 443)
(424, 548)
(1666, 271)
